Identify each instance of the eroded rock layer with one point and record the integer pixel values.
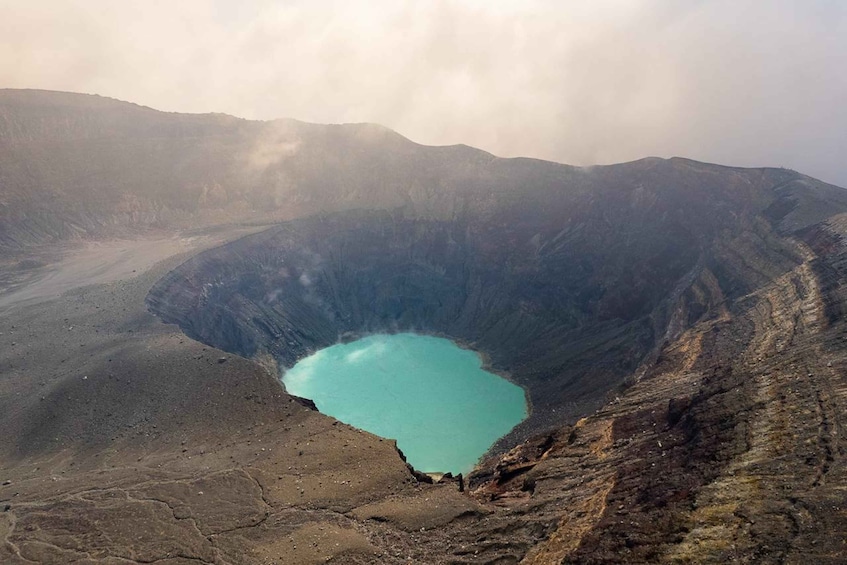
(727, 449)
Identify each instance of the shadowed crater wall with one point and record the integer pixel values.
(565, 286)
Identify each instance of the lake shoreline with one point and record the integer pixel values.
(432, 394)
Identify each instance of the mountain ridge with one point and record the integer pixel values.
(138, 168)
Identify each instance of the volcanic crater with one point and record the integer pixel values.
(678, 327)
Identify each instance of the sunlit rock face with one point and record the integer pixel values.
(566, 279)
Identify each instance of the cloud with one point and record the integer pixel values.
(367, 353)
(747, 82)
(277, 142)
(298, 379)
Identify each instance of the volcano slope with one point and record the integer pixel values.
(678, 327)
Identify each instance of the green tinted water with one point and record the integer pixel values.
(426, 392)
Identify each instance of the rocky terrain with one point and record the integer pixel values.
(678, 327)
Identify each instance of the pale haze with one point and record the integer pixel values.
(748, 83)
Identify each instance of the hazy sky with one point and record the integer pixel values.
(597, 81)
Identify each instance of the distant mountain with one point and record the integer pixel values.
(74, 165)
(77, 166)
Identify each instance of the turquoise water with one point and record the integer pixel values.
(426, 392)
